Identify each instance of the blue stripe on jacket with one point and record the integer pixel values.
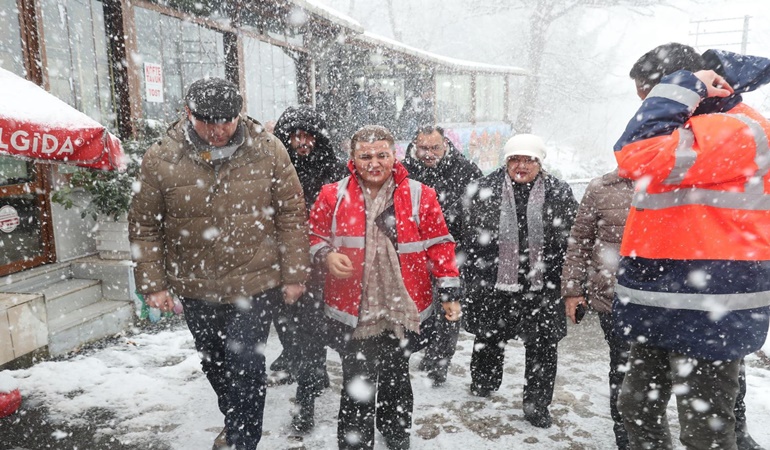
(694, 276)
(712, 334)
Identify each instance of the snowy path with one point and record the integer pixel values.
(152, 386)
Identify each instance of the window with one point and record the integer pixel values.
(515, 85)
(185, 51)
(453, 98)
(271, 79)
(76, 61)
(490, 97)
(10, 38)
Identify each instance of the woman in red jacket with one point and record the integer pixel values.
(383, 240)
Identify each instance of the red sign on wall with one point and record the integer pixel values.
(153, 82)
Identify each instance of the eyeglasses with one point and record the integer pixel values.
(432, 149)
(526, 160)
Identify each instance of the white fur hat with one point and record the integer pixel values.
(525, 145)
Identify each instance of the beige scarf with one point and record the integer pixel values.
(385, 302)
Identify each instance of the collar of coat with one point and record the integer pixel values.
(256, 139)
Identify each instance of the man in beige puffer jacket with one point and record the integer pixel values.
(220, 221)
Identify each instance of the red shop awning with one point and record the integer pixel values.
(35, 124)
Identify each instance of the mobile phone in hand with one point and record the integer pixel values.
(580, 311)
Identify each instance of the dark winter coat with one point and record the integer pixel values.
(529, 315)
(321, 166)
(453, 173)
(449, 178)
(594, 246)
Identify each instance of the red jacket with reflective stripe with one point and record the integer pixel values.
(425, 246)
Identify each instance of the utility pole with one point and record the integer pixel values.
(728, 32)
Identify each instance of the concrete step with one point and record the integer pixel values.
(96, 321)
(32, 280)
(67, 296)
(117, 276)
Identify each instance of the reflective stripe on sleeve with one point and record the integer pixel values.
(419, 246)
(427, 314)
(349, 241)
(685, 157)
(314, 248)
(761, 157)
(342, 188)
(718, 303)
(415, 189)
(448, 282)
(676, 93)
(703, 197)
(340, 316)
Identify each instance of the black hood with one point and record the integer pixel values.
(307, 119)
(321, 166)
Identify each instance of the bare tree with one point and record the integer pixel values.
(544, 14)
(392, 19)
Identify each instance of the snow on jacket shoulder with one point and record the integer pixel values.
(425, 247)
(695, 272)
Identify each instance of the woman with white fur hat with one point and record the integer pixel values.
(514, 232)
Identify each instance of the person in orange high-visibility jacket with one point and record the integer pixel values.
(383, 240)
(693, 285)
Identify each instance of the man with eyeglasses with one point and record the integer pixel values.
(433, 160)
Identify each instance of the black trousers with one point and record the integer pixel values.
(310, 347)
(229, 339)
(376, 390)
(541, 359)
(619, 349)
(442, 343)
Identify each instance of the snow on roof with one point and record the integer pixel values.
(452, 63)
(330, 14)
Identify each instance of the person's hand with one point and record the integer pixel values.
(452, 311)
(716, 86)
(570, 305)
(339, 265)
(292, 293)
(161, 300)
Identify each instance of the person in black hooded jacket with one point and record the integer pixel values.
(303, 132)
(433, 160)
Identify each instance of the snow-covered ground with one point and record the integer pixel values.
(153, 385)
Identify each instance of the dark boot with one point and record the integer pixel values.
(281, 363)
(425, 365)
(538, 417)
(304, 420)
(220, 442)
(401, 443)
(743, 439)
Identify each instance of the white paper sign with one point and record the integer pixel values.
(153, 82)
